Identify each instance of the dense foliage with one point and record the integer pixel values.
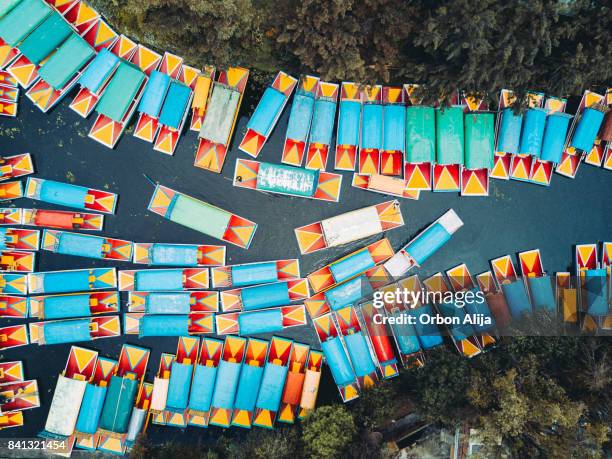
(557, 46)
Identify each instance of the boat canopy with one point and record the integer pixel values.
(250, 274)
(264, 321)
(428, 242)
(158, 279)
(118, 404)
(199, 216)
(219, 119)
(351, 265)
(66, 331)
(300, 117)
(587, 129)
(272, 385)
(459, 331)
(7, 5)
(429, 333)
(533, 132)
(64, 194)
(554, 137)
(266, 112)
(405, 335)
(174, 254)
(66, 62)
(164, 325)
(99, 70)
(120, 92)
(542, 295)
(517, 299)
(248, 387)
(347, 293)
(348, 123)
(394, 137)
(279, 178)
(154, 93)
(91, 409)
(178, 390)
(22, 19)
(65, 406)
(45, 39)
(168, 303)
(359, 354)
(372, 127)
(338, 362)
(263, 296)
(66, 306)
(450, 135)
(81, 245)
(509, 137)
(227, 383)
(596, 301)
(323, 121)
(351, 226)
(420, 134)
(479, 140)
(475, 307)
(175, 104)
(202, 388)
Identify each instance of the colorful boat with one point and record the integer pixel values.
(421, 141)
(450, 151)
(336, 357)
(270, 320)
(69, 394)
(394, 132)
(461, 332)
(287, 180)
(220, 119)
(193, 323)
(139, 416)
(151, 280)
(479, 138)
(300, 121)
(87, 245)
(264, 296)
(202, 217)
(379, 338)
(371, 139)
(294, 385)
(566, 295)
(11, 190)
(16, 261)
(11, 216)
(120, 98)
(606, 263)
(13, 307)
(273, 381)
(538, 283)
(349, 122)
(508, 135)
(226, 383)
(91, 407)
(20, 239)
(124, 386)
(262, 272)
(249, 383)
(387, 185)
(349, 227)
(97, 75)
(63, 219)
(15, 166)
(512, 286)
(72, 280)
(605, 135)
(15, 284)
(161, 254)
(312, 380)
(13, 336)
(69, 195)
(321, 131)
(74, 330)
(593, 296)
(201, 96)
(173, 302)
(424, 245)
(11, 371)
(495, 298)
(267, 113)
(582, 133)
(350, 265)
(159, 396)
(72, 305)
(204, 379)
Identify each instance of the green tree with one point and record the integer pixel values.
(328, 431)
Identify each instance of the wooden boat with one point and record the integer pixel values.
(264, 296)
(349, 124)
(148, 280)
(87, 245)
(161, 254)
(72, 280)
(262, 272)
(69, 195)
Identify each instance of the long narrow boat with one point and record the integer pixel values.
(379, 338)
(249, 383)
(512, 286)
(74, 330)
(61, 219)
(91, 408)
(287, 180)
(267, 113)
(201, 96)
(13, 336)
(193, 323)
(72, 280)
(349, 123)
(420, 141)
(69, 195)
(17, 261)
(204, 379)
(507, 135)
(19, 239)
(13, 307)
(73, 305)
(11, 216)
(350, 265)
(11, 190)
(262, 272)
(312, 380)
(69, 394)
(202, 217)
(495, 299)
(387, 185)
(321, 131)
(461, 332)
(349, 227)
(123, 389)
(87, 245)
(159, 395)
(226, 383)
(394, 132)
(538, 283)
(336, 357)
(300, 121)
(566, 296)
(161, 254)
(606, 263)
(592, 287)
(220, 119)
(424, 245)
(15, 166)
(292, 393)
(264, 296)
(140, 413)
(371, 139)
(270, 320)
(450, 149)
(15, 284)
(479, 137)
(272, 383)
(155, 280)
(181, 302)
